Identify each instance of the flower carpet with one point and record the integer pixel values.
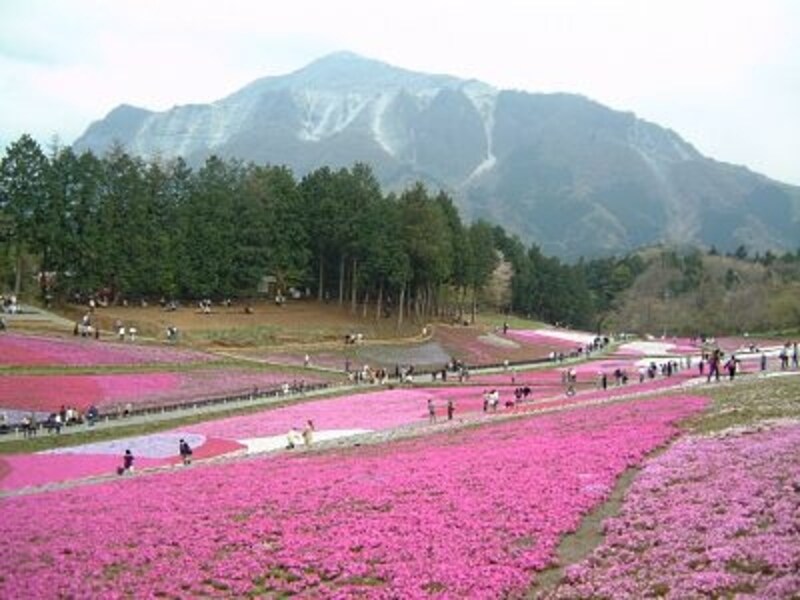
(660, 347)
(35, 350)
(491, 348)
(18, 471)
(711, 517)
(565, 339)
(47, 393)
(351, 414)
(473, 513)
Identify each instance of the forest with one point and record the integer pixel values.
(134, 229)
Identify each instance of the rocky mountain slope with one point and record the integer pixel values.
(560, 170)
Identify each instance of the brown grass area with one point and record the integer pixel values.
(306, 326)
(303, 321)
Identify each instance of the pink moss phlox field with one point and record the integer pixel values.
(19, 471)
(737, 344)
(711, 517)
(563, 339)
(586, 372)
(47, 393)
(589, 373)
(471, 514)
(659, 346)
(385, 409)
(29, 350)
(24, 470)
(376, 410)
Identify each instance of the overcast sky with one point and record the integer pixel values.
(723, 74)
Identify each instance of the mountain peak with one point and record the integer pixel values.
(567, 172)
(339, 57)
(345, 70)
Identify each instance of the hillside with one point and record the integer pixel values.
(560, 170)
(695, 293)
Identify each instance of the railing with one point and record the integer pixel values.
(250, 395)
(120, 413)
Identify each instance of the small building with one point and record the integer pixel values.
(268, 286)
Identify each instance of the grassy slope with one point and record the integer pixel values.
(727, 296)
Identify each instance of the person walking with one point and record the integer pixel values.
(127, 463)
(730, 366)
(784, 356)
(185, 451)
(431, 411)
(450, 409)
(308, 433)
(713, 366)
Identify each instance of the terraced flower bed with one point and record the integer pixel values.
(470, 514)
(375, 410)
(46, 393)
(372, 411)
(28, 350)
(660, 347)
(482, 349)
(20, 471)
(559, 339)
(712, 517)
(384, 409)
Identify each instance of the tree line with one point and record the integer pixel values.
(149, 229)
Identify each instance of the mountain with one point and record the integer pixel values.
(560, 170)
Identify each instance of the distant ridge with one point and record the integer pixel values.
(572, 175)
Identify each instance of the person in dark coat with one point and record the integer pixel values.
(186, 451)
(127, 463)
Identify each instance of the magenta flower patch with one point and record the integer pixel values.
(46, 393)
(711, 517)
(19, 471)
(30, 350)
(472, 514)
(561, 338)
